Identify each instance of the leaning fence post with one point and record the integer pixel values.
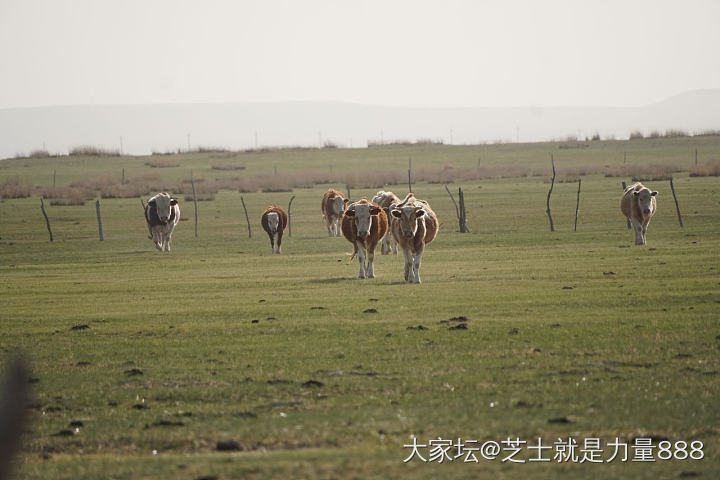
(577, 205)
(347, 185)
(47, 220)
(677, 207)
(247, 218)
(552, 184)
(457, 211)
(290, 217)
(99, 219)
(624, 185)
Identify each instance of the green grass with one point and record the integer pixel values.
(630, 350)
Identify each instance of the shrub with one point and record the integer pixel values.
(227, 166)
(67, 195)
(162, 163)
(708, 133)
(13, 188)
(711, 169)
(40, 153)
(89, 150)
(636, 135)
(675, 133)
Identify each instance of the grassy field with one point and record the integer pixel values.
(568, 334)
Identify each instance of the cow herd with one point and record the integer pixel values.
(409, 224)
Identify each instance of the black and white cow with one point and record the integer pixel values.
(162, 213)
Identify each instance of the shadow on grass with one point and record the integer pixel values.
(332, 280)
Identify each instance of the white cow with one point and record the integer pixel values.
(162, 213)
(385, 200)
(638, 204)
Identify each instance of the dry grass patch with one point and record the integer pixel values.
(711, 169)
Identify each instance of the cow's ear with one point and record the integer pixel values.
(652, 194)
(636, 193)
(350, 213)
(374, 210)
(419, 213)
(152, 203)
(396, 213)
(173, 201)
(346, 200)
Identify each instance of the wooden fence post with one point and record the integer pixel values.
(348, 190)
(552, 184)
(624, 186)
(192, 184)
(47, 220)
(577, 205)
(289, 225)
(55, 173)
(99, 220)
(459, 211)
(410, 174)
(247, 218)
(677, 207)
(463, 213)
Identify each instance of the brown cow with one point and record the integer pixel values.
(333, 206)
(385, 200)
(363, 225)
(638, 204)
(274, 220)
(413, 226)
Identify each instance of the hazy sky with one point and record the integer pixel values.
(387, 52)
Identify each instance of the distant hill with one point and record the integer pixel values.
(148, 128)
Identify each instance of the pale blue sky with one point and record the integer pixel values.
(387, 52)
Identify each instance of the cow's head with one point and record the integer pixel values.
(407, 217)
(163, 204)
(361, 214)
(273, 220)
(644, 199)
(339, 204)
(379, 197)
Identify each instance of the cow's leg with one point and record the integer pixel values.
(637, 227)
(157, 239)
(416, 267)
(385, 245)
(408, 263)
(395, 246)
(338, 230)
(361, 259)
(644, 229)
(370, 264)
(168, 238)
(331, 227)
(278, 241)
(272, 241)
